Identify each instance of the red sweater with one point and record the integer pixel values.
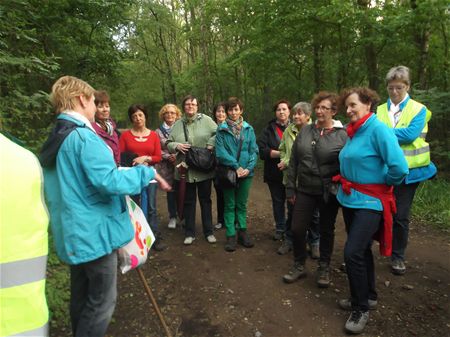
(148, 146)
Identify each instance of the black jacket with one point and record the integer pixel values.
(267, 141)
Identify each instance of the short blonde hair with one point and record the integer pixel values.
(65, 91)
(167, 107)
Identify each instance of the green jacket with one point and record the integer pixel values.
(201, 131)
(285, 147)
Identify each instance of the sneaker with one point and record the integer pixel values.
(159, 246)
(218, 226)
(297, 272)
(357, 322)
(188, 240)
(244, 239)
(346, 304)
(172, 223)
(285, 247)
(230, 246)
(315, 252)
(398, 267)
(323, 275)
(211, 239)
(277, 236)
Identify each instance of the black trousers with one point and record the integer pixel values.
(203, 189)
(305, 205)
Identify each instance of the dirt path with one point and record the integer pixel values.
(205, 291)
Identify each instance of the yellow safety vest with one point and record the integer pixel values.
(23, 243)
(417, 153)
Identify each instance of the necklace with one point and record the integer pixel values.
(140, 138)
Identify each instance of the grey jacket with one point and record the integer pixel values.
(315, 159)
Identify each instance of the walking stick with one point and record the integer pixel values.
(155, 305)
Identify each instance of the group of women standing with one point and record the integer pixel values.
(371, 168)
(311, 169)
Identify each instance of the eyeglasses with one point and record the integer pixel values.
(396, 88)
(323, 108)
(170, 113)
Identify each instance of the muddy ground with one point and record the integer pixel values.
(204, 291)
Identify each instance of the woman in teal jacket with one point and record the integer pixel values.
(229, 135)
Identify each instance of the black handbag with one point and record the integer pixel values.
(226, 177)
(199, 158)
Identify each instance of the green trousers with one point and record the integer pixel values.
(235, 206)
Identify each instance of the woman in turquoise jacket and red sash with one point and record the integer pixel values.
(371, 162)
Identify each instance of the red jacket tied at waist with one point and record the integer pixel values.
(386, 195)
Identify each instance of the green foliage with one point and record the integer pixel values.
(432, 203)
(58, 289)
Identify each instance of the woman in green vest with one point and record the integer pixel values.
(409, 120)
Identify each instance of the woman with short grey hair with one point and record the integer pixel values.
(409, 120)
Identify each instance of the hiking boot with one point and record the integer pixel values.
(172, 223)
(297, 272)
(188, 240)
(277, 236)
(357, 322)
(159, 246)
(211, 239)
(285, 247)
(244, 239)
(398, 267)
(315, 252)
(230, 246)
(323, 275)
(346, 304)
(218, 226)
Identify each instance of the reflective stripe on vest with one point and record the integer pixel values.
(41, 331)
(23, 243)
(417, 153)
(21, 272)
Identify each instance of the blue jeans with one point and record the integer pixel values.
(172, 204)
(361, 225)
(148, 206)
(278, 195)
(404, 196)
(93, 294)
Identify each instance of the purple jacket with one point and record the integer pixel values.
(111, 141)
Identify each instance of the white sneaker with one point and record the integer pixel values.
(211, 239)
(172, 223)
(188, 240)
(218, 226)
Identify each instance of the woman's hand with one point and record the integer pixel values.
(281, 166)
(291, 200)
(172, 158)
(142, 160)
(183, 148)
(162, 183)
(242, 173)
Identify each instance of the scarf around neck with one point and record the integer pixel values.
(235, 127)
(353, 127)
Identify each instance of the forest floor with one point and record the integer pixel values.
(204, 291)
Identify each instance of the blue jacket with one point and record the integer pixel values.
(408, 135)
(372, 156)
(85, 193)
(227, 146)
